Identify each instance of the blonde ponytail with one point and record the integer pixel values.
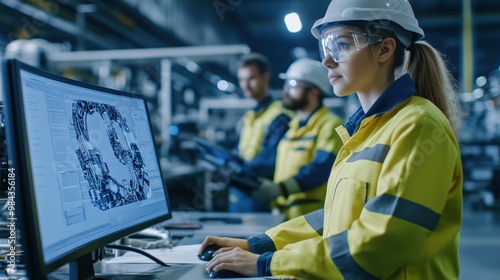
(433, 81)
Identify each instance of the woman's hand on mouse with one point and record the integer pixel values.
(234, 259)
(222, 242)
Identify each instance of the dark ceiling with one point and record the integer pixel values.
(257, 23)
(441, 20)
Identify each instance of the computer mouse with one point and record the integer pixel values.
(224, 274)
(207, 254)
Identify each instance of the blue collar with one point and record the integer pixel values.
(304, 122)
(263, 103)
(397, 92)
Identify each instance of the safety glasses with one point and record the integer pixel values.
(294, 86)
(342, 44)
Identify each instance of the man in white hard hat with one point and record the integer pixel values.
(307, 151)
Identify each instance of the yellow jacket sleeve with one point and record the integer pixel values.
(294, 230)
(297, 229)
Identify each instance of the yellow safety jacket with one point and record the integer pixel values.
(393, 207)
(305, 157)
(255, 126)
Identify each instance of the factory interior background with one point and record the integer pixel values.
(183, 55)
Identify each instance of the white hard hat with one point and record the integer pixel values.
(384, 11)
(310, 71)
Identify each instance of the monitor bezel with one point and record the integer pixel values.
(18, 152)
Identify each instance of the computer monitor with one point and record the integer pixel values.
(85, 167)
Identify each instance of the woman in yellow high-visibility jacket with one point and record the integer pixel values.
(393, 207)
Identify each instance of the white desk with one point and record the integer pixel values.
(220, 224)
(213, 223)
(148, 272)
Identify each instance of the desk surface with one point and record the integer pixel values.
(254, 219)
(251, 224)
(149, 272)
(215, 223)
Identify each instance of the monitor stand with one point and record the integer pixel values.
(82, 268)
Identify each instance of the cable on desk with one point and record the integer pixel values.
(142, 252)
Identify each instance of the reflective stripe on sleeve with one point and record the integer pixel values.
(376, 153)
(261, 243)
(306, 138)
(404, 209)
(341, 256)
(315, 220)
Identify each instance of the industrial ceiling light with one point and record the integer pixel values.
(293, 23)
(222, 85)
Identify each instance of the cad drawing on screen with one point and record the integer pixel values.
(105, 191)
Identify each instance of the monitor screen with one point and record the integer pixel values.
(85, 163)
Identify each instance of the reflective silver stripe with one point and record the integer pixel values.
(306, 138)
(341, 256)
(316, 219)
(404, 209)
(261, 243)
(376, 153)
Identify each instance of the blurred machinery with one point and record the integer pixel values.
(183, 100)
(3, 156)
(33, 51)
(480, 141)
(481, 109)
(171, 80)
(225, 169)
(182, 146)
